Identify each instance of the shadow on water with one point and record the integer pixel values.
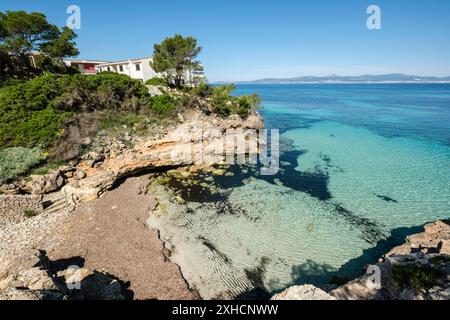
(313, 183)
(319, 275)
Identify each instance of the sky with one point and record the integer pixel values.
(253, 39)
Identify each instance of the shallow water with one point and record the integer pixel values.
(362, 166)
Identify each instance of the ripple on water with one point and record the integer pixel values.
(340, 193)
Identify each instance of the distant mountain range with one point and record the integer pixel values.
(383, 78)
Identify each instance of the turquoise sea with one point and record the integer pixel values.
(362, 166)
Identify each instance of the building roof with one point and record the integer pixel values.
(122, 62)
(85, 61)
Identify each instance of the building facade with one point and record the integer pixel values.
(135, 68)
(140, 69)
(84, 66)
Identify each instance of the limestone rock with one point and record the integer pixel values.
(428, 249)
(305, 292)
(50, 182)
(181, 146)
(30, 278)
(80, 174)
(154, 90)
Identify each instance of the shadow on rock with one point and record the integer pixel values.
(74, 282)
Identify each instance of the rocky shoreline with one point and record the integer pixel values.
(109, 234)
(417, 270)
(95, 217)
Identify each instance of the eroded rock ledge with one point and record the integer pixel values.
(416, 270)
(183, 141)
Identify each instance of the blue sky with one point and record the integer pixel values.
(250, 39)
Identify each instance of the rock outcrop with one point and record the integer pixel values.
(37, 278)
(416, 270)
(306, 292)
(184, 145)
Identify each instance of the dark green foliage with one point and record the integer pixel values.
(414, 275)
(225, 105)
(23, 34)
(28, 213)
(203, 90)
(34, 112)
(441, 259)
(156, 82)
(118, 91)
(163, 105)
(174, 57)
(27, 115)
(48, 167)
(114, 120)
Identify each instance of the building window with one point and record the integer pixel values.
(109, 68)
(138, 67)
(121, 68)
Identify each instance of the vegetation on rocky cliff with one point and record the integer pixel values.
(58, 111)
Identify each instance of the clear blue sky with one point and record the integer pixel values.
(250, 39)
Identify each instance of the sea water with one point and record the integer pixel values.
(362, 166)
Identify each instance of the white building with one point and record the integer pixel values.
(135, 68)
(140, 69)
(85, 66)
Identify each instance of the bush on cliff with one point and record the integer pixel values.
(224, 104)
(33, 113)
(163, 105)
(27, 114)
(414, 275)
(155, 81)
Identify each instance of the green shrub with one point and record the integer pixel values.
(16, 161)
(245, 104)
(46, 169)
(203, 90)
(27, 115)
(35, 112)
(163, 105)
(225, 105)
(414, 275)
(9, 82)
(28, 213)
(40, 171)
(116, 120)
(155, 81)
(441, 259)
(119, 92)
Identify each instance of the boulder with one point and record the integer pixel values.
(50, 182)
(32, 278)
(305, 292)
(154, 90)
(428, 249)
(80, 174)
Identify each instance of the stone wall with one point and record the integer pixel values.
(12, 207)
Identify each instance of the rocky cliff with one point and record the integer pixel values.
(179, 146)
